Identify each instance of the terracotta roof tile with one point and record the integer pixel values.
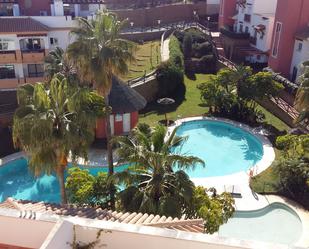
(189, 225)
(19, 25)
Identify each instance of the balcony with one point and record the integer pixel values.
(34, 79)
(10, 56)
(33, 56)
(11, 83)
(234, 35)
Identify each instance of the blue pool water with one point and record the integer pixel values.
(18, 182)
(276, 223)
(224, 148)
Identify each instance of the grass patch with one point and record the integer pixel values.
(268, 182)
(147, 57)
(188, 104)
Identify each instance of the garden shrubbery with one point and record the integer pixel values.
(198, 50)
(170, 74)
(232, 94)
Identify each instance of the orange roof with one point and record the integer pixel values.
(183, 224)
(21, 25)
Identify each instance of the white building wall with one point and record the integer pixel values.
(63, 37)
(264, 6)
(299, 56)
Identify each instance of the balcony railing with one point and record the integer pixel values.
(234, 35)
(8, 56)
(36, 55)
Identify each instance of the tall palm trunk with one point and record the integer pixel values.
(110, 160)
(60, 175)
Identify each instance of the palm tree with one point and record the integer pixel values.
(53, 122)
(155, 182)
(98, 54)
(56, 62)
(302, 97)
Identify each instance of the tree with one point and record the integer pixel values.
(215, 210)
(155, 182)
(302, 97)
(55, 121)
(57, 62)
(187, 46)
(84, 188)
(98, 54)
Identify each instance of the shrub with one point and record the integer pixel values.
(170, 74)
(187, 46)
(169, 77)
(202, 49)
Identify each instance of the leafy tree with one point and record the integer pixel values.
(302, 97)
(57, 62)
(84, 188)
(294, 176)
(234, 92)
(98, 54)
(294, 146)
(155, 182)
(54, 121)
(215, 210)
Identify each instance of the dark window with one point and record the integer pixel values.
(35, 70)
(7, 72)
(247, 18)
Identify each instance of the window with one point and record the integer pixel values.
(246, 29)
(240, 28)
(53, 41)
(7, 72)
(277, 36)
(300, 46)
(221, 7)
(247, 18)
(6, 45)
(31, 44)
(35, 70)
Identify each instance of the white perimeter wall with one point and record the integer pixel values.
(23, 232)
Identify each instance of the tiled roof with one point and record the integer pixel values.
(24, 24)
(189, 225)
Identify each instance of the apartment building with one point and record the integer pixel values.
(249, 31)
(24, 43)
(290, 44)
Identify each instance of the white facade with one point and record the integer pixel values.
(58, 35)
(256, 17)
(300, 55)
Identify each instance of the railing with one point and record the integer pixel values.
(234, 35)
(290, 110)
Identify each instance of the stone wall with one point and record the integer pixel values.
(145, 36)
(149, 90)
(147, 17)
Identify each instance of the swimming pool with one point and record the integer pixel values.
(276, 223)
(225, 148)
(18, 182)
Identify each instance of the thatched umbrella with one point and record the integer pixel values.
(124, 99)
(166, 102)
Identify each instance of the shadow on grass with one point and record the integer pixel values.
(155, 108)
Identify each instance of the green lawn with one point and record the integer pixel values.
(147, 59)
(191, 105)
(268, 181)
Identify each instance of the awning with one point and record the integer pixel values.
(260, 27)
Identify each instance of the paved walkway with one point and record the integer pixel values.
(166, 50)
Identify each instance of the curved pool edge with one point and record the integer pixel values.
(301, 213)
(265, 162)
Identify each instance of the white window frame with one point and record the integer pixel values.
(277, 34)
